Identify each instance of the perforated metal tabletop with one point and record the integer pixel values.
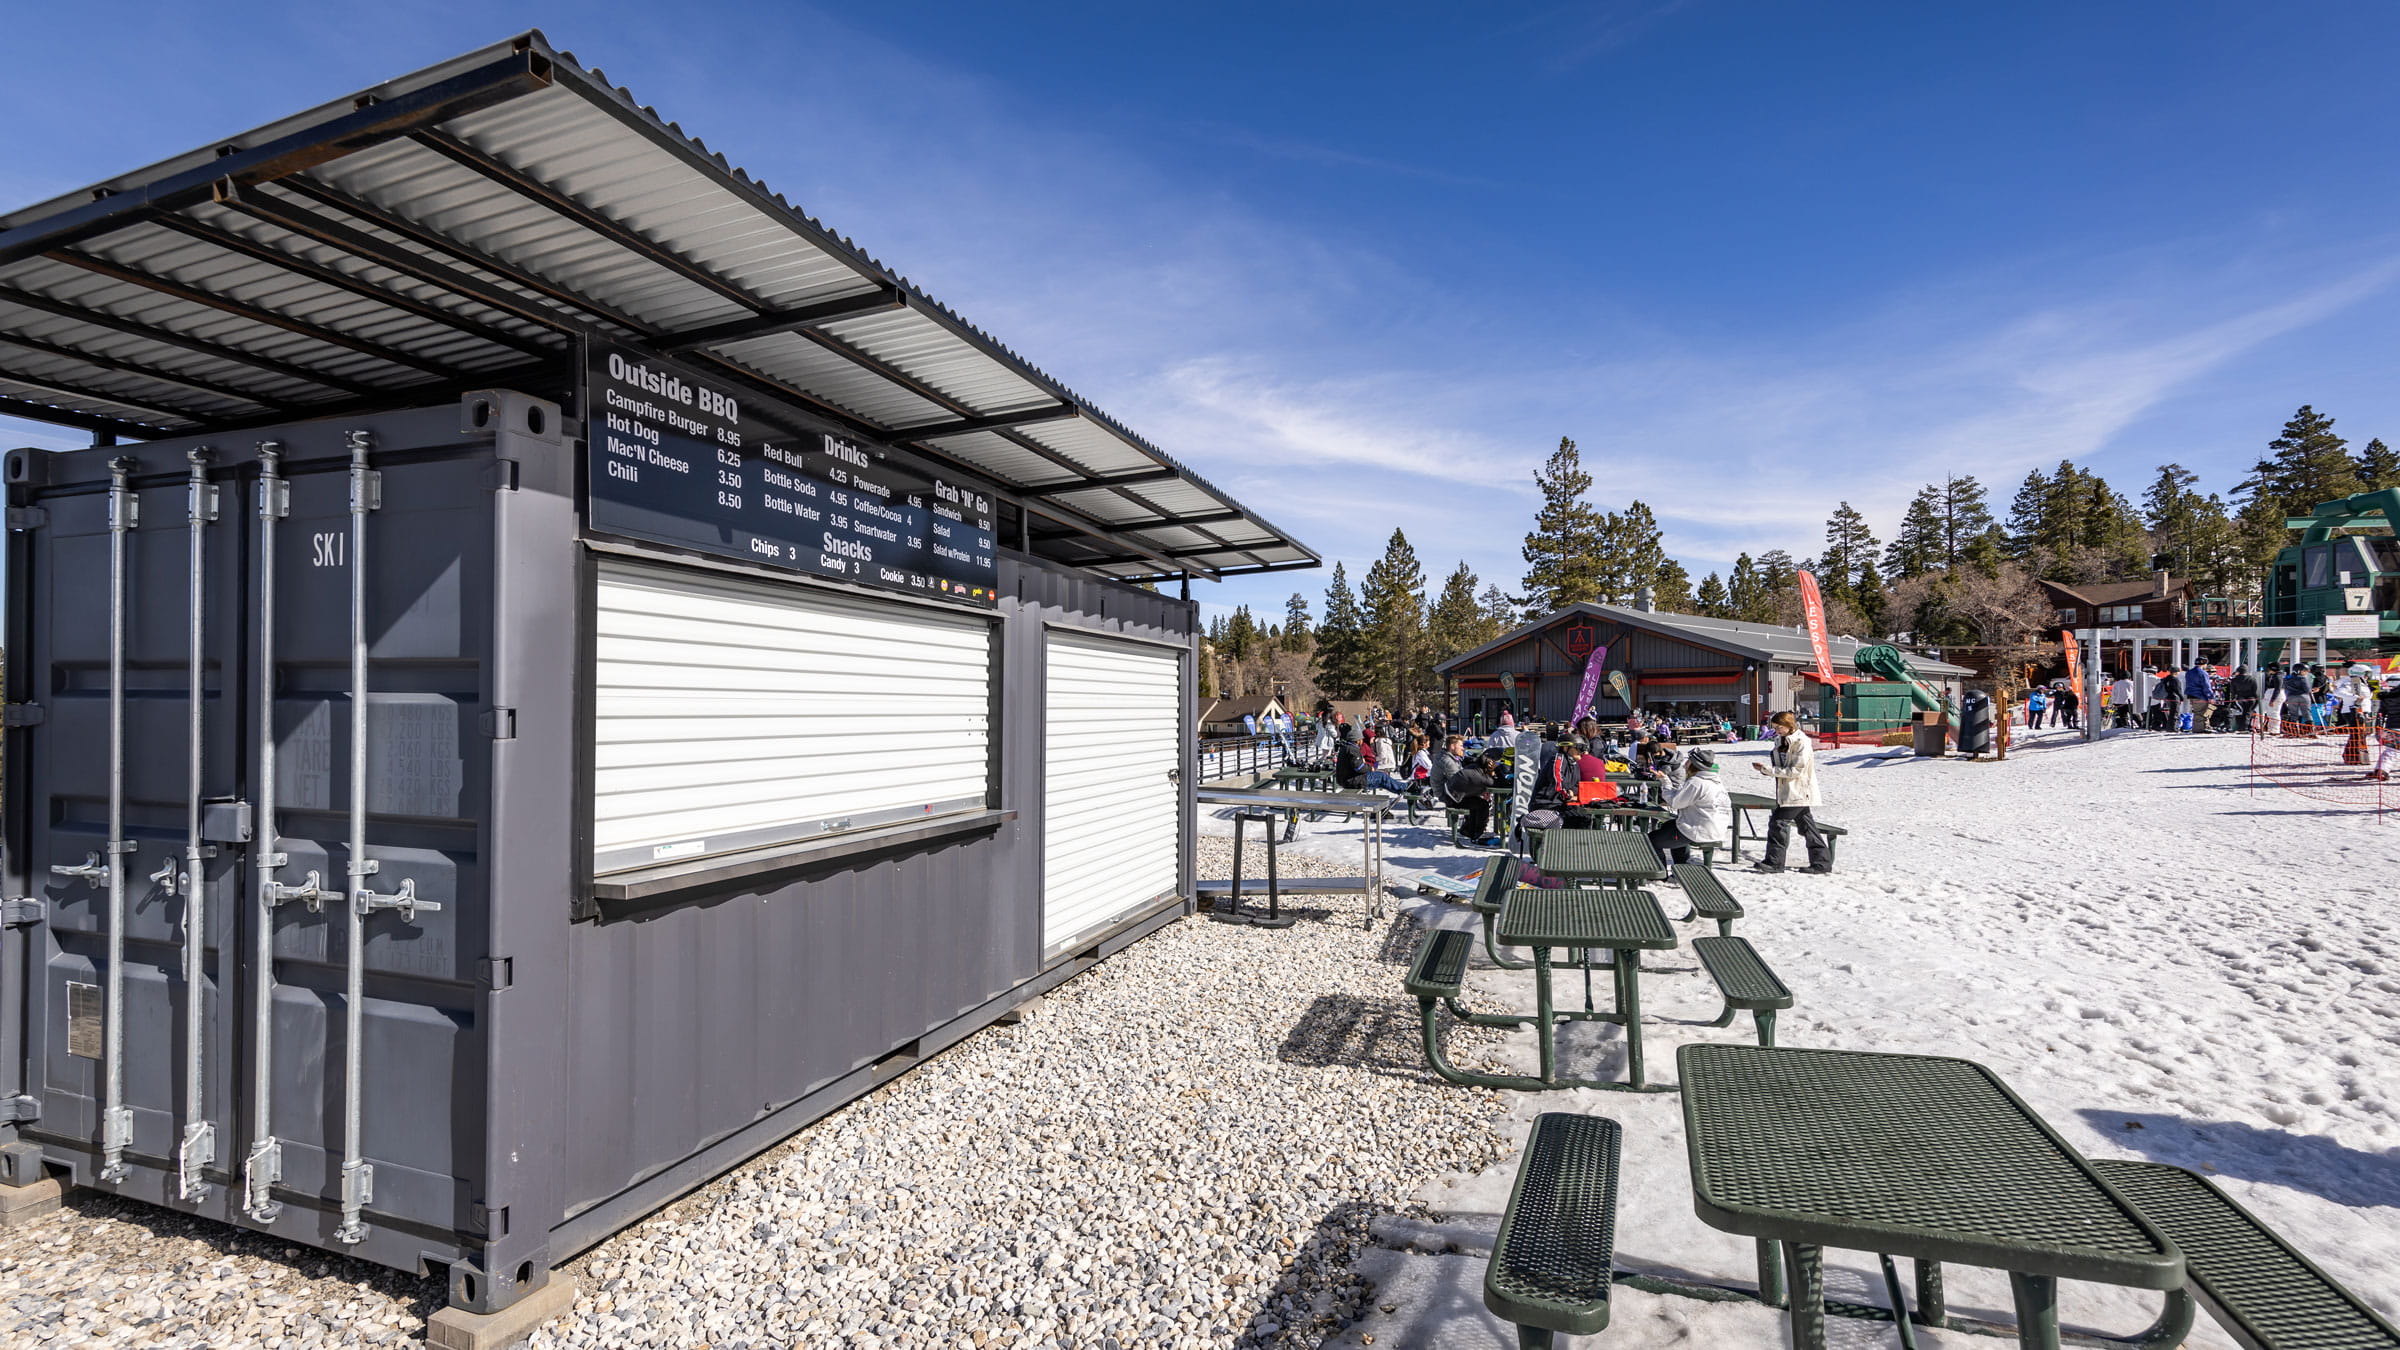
(1910, 1155)
(1599, 855)
(1618, 920)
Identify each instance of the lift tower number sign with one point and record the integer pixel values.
(672, 459)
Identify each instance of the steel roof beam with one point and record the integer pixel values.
(882, 299)
(133, 276)
(68, 417)
(122, 367)
(343, 281)
(170, 338)
(49, 386)
(1090, 484)
(300, 220)
(1056, 412)
(520, 72)
(537, 191)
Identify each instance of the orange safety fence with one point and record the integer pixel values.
(2328, 763)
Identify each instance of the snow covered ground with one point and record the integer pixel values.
(2163, 961)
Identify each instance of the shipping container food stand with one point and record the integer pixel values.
(556, 672)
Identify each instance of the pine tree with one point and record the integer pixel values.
(1849, 548)
(1343, 670)
(1964, 516)
(1918, 546)
(1743, 590)
(1454, 622)
(1715, 603)
(1563, 562)
(1295, 623)
(2378, 467)
(1630, 555)
(1873, 602)
(2026, 514)
(1241, 634)
(2305, 465)
(1393, 597)
(1986, 551)
(1673, 587)
(1500, 612)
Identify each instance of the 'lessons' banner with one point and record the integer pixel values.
(1812, 605)
(2074, 663)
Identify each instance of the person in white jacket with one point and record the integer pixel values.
(1793, 766)
(1703, 811)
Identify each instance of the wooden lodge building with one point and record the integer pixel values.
(1682, 664)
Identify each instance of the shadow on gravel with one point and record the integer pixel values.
(1318, 1295)
(1399, 943)
(342, 1275)
(1344, 1031)
(2303, 1162)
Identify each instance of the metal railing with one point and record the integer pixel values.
(1235, 757)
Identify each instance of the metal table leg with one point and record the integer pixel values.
(1804, 1263)
(1629, 1003)
(1273, 918)
(1542, 1025)
(2037, 1310)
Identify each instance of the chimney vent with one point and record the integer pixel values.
(2158, 582)
(1645, 599)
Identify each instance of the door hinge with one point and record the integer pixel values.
(496, 972)
(499, 723)
(28, 517)
(23, 911)
(19, 1109)
(23, 715)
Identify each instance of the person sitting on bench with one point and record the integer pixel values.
(1350, 768)
(1703, 811)
(1471, 790)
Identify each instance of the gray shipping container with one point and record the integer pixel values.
(540, 1059)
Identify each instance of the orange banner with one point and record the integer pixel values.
(1812, 606)
(2074, 663)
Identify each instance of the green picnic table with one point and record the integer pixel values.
(1744, 803)
(1610, 857)
(1623, 922)
(1907, 1155)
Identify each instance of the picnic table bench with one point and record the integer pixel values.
(1708, 896)
(1743, 978)
(1555, 1256)
(2256, 1285)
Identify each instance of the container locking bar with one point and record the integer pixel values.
(116, 1119)
(196, 1148)
(262, 1166)
(358, 1176)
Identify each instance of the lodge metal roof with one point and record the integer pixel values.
(1773, 644)
(469, 225)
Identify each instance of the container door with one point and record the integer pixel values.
(143, 1030)
(1110, 746)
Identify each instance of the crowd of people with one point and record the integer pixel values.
(2198, 701)
(1571, 772)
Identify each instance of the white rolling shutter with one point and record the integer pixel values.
(733, 714)
(1112, 725)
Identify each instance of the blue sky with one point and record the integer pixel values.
(1362, 265)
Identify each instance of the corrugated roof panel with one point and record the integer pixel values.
(49, 397)
(562, 140)
(134, 304)
(418, 186)
(59, 330)
(802, 364)
(65, 372)
(1091, 445)
(1005, 461)
(264, 286)
(1183, 498)
(931, 354)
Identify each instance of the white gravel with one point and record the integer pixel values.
(1183, 1147)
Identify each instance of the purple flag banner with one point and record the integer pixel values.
(1591, 681)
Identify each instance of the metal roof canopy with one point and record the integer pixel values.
(468, 225)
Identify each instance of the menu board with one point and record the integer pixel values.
(673, 459)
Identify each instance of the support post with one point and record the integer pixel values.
(2141, 686)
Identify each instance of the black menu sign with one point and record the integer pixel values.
(673, 459)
